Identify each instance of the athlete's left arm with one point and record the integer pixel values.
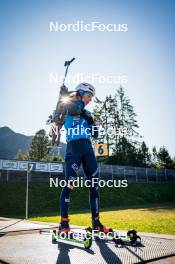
(94, 128)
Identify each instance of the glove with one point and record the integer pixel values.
(87, 116)
(63, 90)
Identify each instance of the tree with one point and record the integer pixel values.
(118, 114)
(54, 158)
(114, 121)
(154, 156)
(164, 158)
(125, 154)
(126, 116)
(39, 146)
(173, 164)
(144, 156)
(102, 114)
(21, 155)
(57, 158)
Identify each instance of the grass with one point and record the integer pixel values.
(148, 207)
(151, 219)
(44, 200)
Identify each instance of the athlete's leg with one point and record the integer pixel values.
(72, 163)
(91, 170)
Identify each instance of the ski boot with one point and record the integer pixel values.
(98, 226)
(64, 225)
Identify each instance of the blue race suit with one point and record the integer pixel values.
(79, 151)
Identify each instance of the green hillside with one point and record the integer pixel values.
(44, 200)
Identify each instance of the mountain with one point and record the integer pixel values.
(11, 143)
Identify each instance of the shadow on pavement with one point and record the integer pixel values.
(108, 255)
(64, 249)
(14, 223)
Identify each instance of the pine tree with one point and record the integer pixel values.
(144, 156)
(118, 114)
(125, 154)
(39, 146)
(102, 114)
(126, 115)
(164, 158)
(124, 119)
(21, 155)
(154, 156)
(114, 121)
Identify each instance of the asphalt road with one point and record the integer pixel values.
(21, 242)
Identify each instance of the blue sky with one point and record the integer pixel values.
(145, 54)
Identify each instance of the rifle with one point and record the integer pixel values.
(56, 120)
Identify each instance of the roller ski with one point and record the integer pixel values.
(69, 236)
(101, 232)
(84, 237)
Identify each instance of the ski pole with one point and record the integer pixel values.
(67, 64)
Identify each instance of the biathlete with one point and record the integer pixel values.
(79, 151)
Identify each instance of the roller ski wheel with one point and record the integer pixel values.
(54, 234)
(134, 238)
(88, 240)
(72, 236)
